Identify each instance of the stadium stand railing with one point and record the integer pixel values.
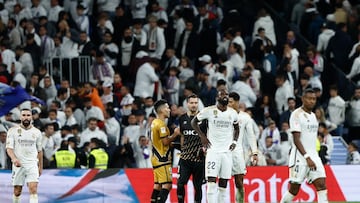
(338, 155)
(76, 69)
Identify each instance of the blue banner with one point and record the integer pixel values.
(10, 97)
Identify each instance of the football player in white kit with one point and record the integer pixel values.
(246, 132)
(304, 161)
(23, 145)
(221, 139)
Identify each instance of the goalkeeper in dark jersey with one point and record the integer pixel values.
(192, 157)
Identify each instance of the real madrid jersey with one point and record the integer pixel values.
(307, 125)
(220, 127)
(26, 143)
(247, 136)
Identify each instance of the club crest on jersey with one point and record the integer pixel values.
(215, 113)
(19, 131)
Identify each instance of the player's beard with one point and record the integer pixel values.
(193, 110)
(224, 101)
(26, 123)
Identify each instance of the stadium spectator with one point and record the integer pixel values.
(92, 131)
(4, 160)
(265, 109)
(132, 131)
(353, 116)
(158, 11)
(285, 116)
(48, 143)
(264, 20)
(69, 115)
(283, 92)
(171, 61)
(272, 152)
(142, 153)
(340, 39)
(63, 157)
(172, 87)
(145, 79)
(336, 110)
(36, 118)
(26, 61)
(112, 127)
(320, 116)
(98, 157)
(326, 139)
(188, 44)
(353, 156)
(270, 131)
(123, 156)
(247, 95)
(16, 71)
(129, 46)
(86, 46)
(324, 150)
(55, 8)
(13, 34)
(81, 19)
(355, 68)
(316, 59)
(109, 48)
(324, 37)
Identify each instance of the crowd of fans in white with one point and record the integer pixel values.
(144, 50)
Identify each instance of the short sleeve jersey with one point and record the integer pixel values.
(26, 143)
(192, 142)
(220, 126)
(307, 125)
(159, 130)
(246, 130)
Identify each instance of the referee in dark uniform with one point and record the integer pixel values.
(192, 160)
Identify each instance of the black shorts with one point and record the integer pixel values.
(188, 168)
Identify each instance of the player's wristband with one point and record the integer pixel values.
(306, 156)
(234, 142)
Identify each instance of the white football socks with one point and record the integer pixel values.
(322, 196)
(34, 198)
(16, 199)
(287, 197)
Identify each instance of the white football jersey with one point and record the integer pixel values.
(220, 126)
(307, 125)
(26, 143)
(247, 136)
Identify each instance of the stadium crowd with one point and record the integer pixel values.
(143, 50)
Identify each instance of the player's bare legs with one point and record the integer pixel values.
(321, 190)
(160, 192)
(239, 178)
(291, 193)
(33, 192)
(17, 193)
